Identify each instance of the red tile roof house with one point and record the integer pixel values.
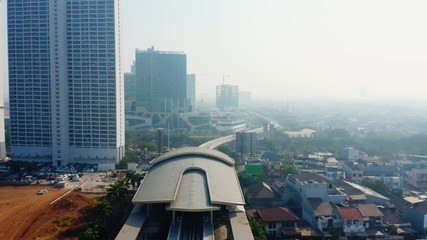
(372, 216)
(352, 220)
(280, 222)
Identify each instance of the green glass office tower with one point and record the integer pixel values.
(161, 80)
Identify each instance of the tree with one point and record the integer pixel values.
(133, 178)
(117, 194)
(117, 191)
(129, 157)
(258, 229)
(392, 229)
(246, 180)
(228, 150)
(377, 185)
(289, 168)
(93, 232)
(104, 209)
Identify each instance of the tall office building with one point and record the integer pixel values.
(3, 75)
(162, 80)
(65, 81)
(227, 96)
(191, 90)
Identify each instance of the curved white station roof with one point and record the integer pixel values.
(191, 179)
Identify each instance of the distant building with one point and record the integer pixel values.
(305, 133)
(245, 143)
(333, 171)
(229, 122)
(415, 211)
(351, 154)
(403, 167)
(379, 170)
(417, 178)
(274, 170)
(131, 91)
(352, 170)
(227, 97)
(158, 89)
(245, 99)
(191, 91)
(161, 80)
(268, 131)
(254, 169)
(197, 121)
(315, 162)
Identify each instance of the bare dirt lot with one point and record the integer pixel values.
(26, 215)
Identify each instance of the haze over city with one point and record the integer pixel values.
(279, 49)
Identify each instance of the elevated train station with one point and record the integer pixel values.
(189, 193)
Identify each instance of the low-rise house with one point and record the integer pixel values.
(274, 170)
(404, 228)
(334, 173)
(279, 188)
(351, 154)
(320, 214)
(261, 196)
(310, 163)
(352, 171)
(302, 186)
(279, 222)
(380, 170)
(372, 216)
(415, 211)
(352, 220)
(403, 167)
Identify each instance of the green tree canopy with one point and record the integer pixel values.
(258, 229)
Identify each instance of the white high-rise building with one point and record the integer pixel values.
(65, 81)
(3, 75)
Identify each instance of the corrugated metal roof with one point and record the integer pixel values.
(413, 200)
(194, 151)
(161, 184)
(192, 194)
(369, 210)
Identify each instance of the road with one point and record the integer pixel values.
(222, 140)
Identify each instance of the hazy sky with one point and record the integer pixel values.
(280, 48)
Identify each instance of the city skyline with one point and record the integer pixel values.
(313, 48)
(281, 49)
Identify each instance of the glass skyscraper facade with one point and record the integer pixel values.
(161, 80)
(65, 80)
